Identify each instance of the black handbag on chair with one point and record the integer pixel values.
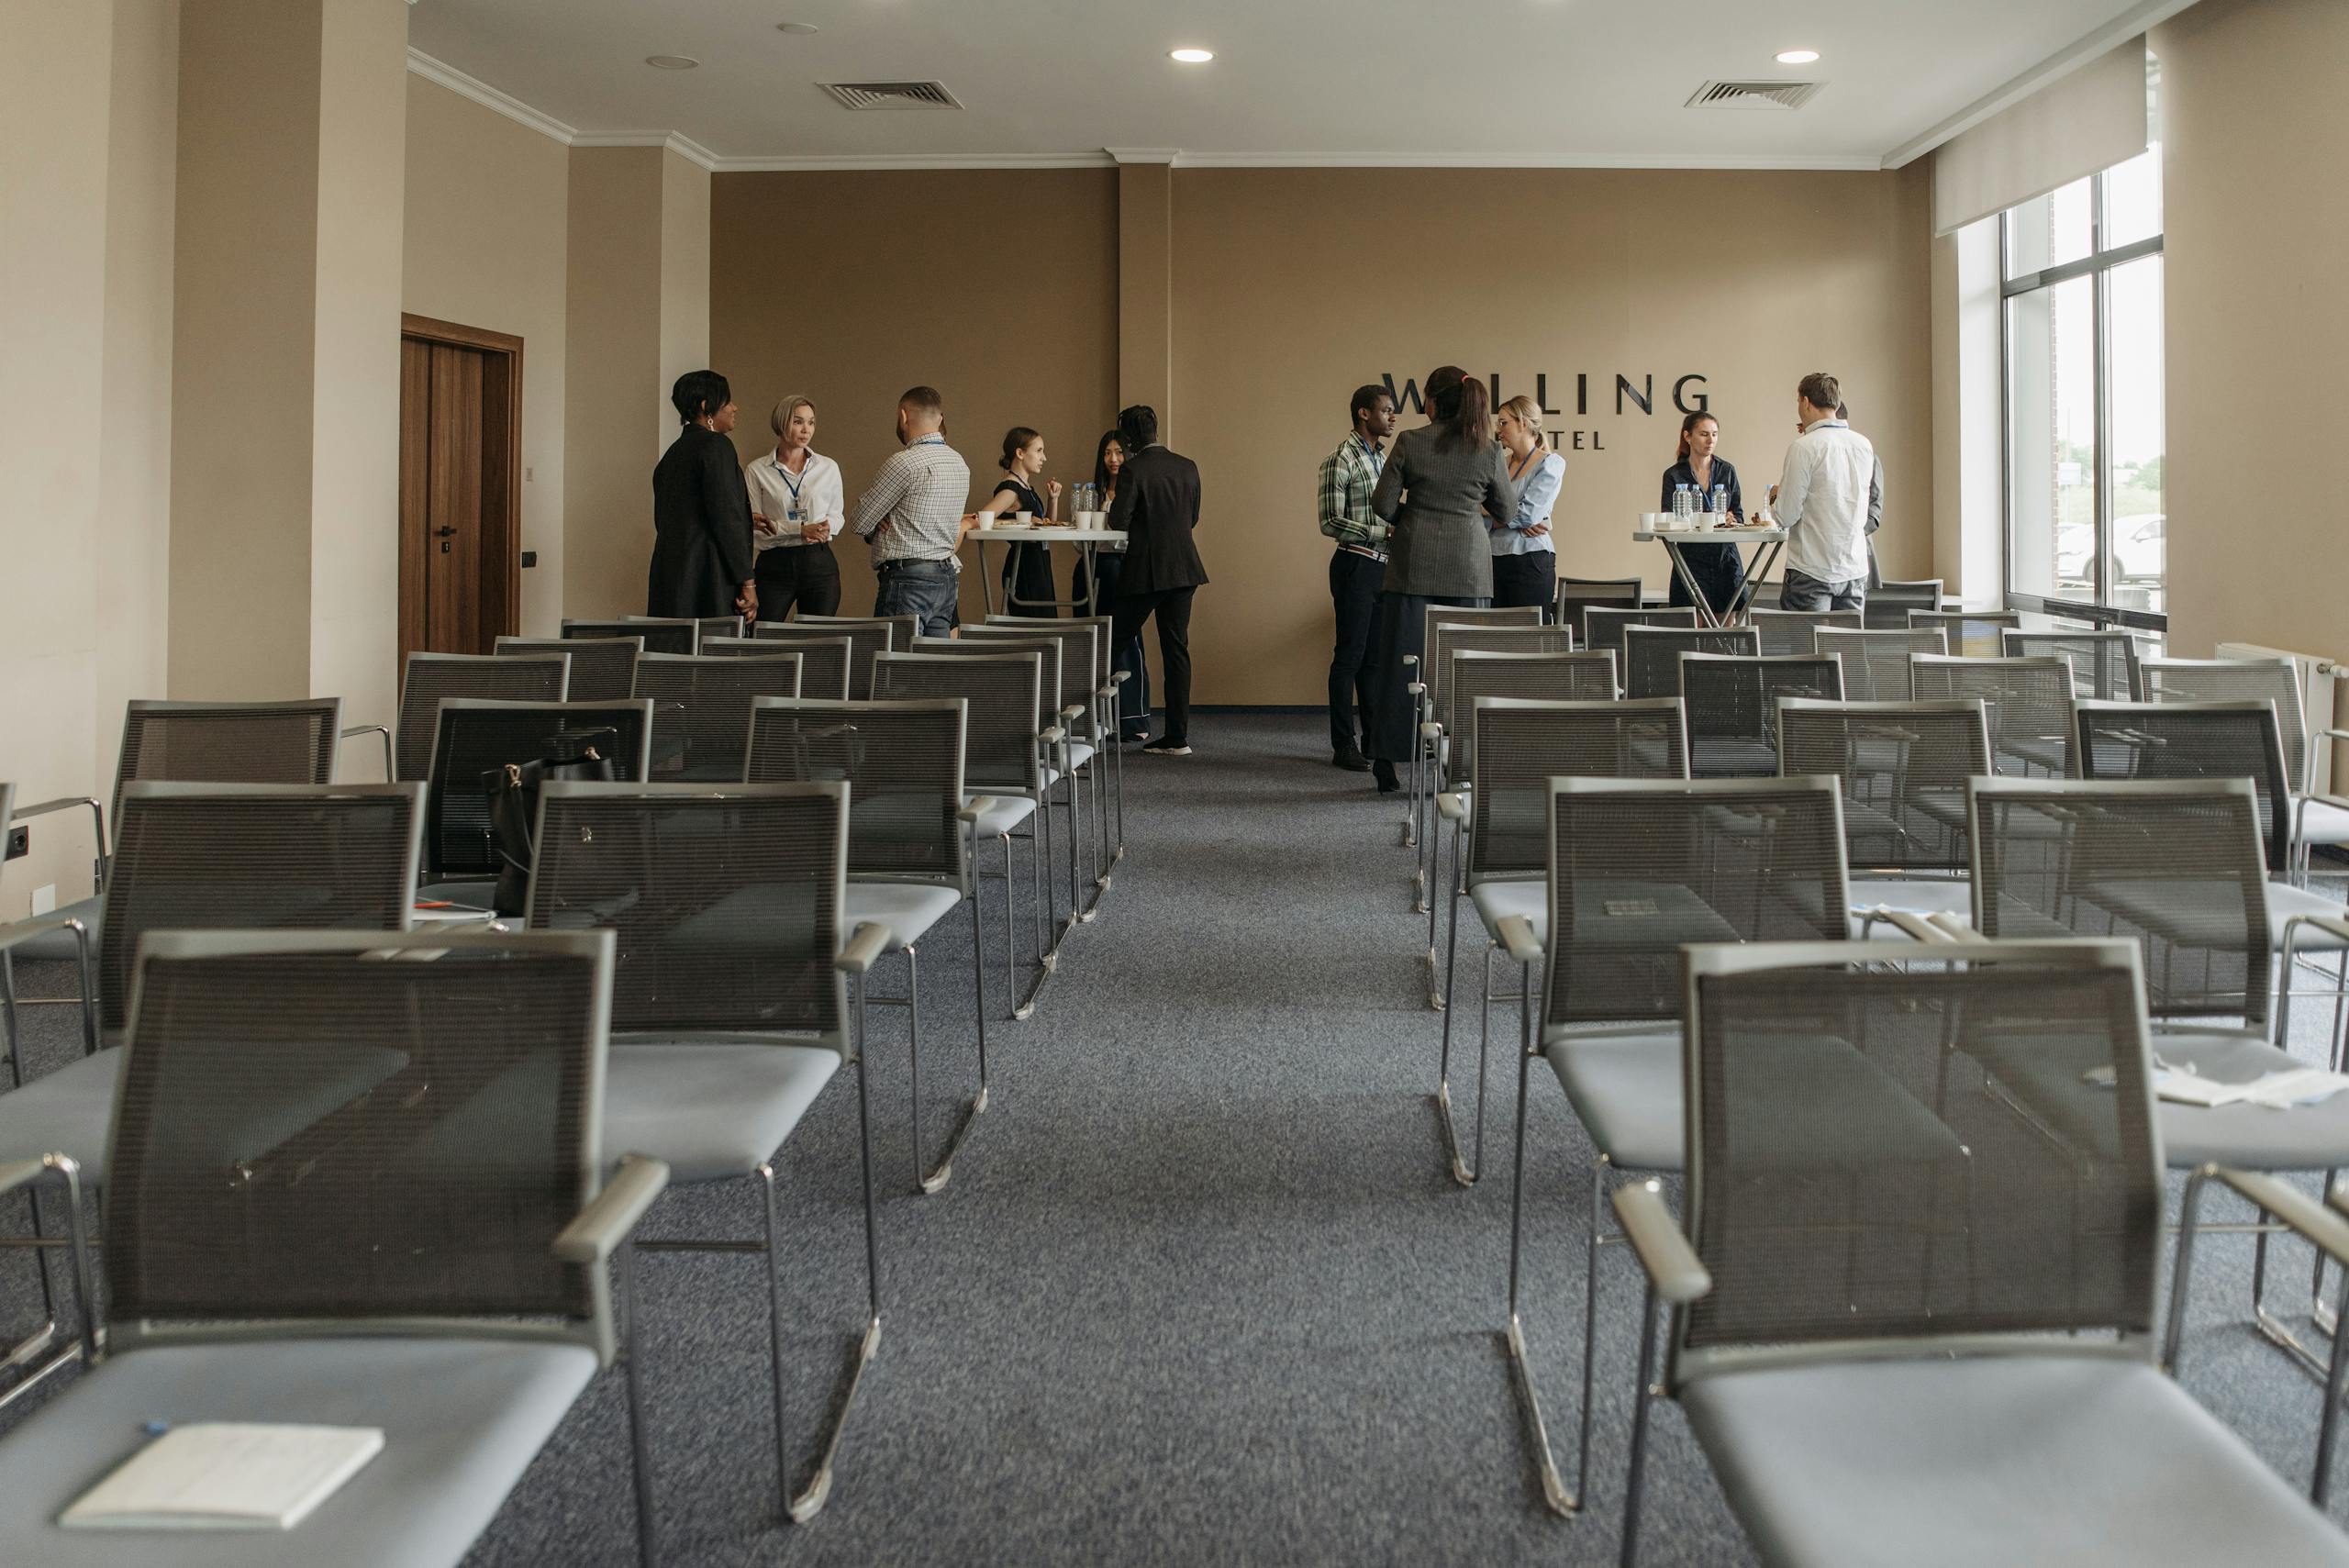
(513, 792)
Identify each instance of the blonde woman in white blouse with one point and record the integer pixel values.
(796, 507)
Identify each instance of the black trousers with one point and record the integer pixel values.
(805, 577)
(1134, 691)
(1528, 579)
(1400, 630)
(1028, 573)
(1354, 593)
(1172, 609)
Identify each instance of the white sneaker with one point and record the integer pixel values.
(1159, 749)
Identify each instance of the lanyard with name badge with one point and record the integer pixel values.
(793, 512)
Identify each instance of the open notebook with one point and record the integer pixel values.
(226, 1475)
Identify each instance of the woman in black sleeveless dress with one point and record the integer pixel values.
(1028, 568)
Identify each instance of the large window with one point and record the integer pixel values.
(2082, 289)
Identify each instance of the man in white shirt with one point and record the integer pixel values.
(1823, 501)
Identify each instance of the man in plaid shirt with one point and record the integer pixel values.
(1358, 566)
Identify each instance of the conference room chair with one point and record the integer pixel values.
(911, 858)
(1634, 870)
(1868, 1388)
(1732, 703)
(1576, 594)
(173, 742)
(1521, 744)
(1603, 624)
(603, 669)
(1875, 664)
(1888, 605)
(2316, 818)
(824, 661)
(1438, 714)
(1422, 675)
(701, 710)
(2027, 702)
(427, 680)
(703, 626)
(865, 637)
(660, 634)
(1903, 768)
(424, 1251)
(903, 630)
(1790, 632)
(1005, 768)
(1104, 732)
(1652, 653)
(729, 1007)
(1972, 634)
(1079, 714)
(475, 738)
(2104, 663)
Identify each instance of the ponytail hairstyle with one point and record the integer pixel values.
(1461, 405)
(1686, 425)
(1015, 442)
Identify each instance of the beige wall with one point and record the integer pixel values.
(684, 288)
(613, 390)
(486, 246)
(998, 287)
(2255, 231)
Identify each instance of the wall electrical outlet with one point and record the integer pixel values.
(20, 843)
(45, 899)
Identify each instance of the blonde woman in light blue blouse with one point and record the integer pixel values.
(1525, 560)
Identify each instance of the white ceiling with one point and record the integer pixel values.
(1543, 82)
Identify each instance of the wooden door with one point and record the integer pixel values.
(460, 413)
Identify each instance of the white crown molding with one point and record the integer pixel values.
(1166, 155)
(1727, 161)
(2138, 18)
(685, 146)
(443, 75)
(881, 163)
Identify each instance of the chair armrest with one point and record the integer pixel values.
(1451, 806)
(1053, 735)
(1671, 1263)
(597, 1231)
(41, 925)
(1430, 730)
(1123, 677)
(1955, 929)
(865, 946)
(67, 803)
(1410, 660)
(1915, 925)
(1072, 713)
(1517, 935)
(978, 805)
(2334, 925)
(373, 729)
(2323, 1227)
(15, 1173)
(1417, 688)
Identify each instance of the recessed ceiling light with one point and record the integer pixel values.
(1193, 56)
(671, 63)
(795, 28)
(1797, 56)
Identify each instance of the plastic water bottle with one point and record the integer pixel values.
(1683, 503)
(1720, 509)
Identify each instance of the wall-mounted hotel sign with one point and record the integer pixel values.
(1687, 395)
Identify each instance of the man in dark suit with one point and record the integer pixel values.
(1156, 508)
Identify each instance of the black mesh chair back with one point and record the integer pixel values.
(1732, 701)
(1048, 694)
(903, 630)
(1003, 691)
(903, 764)
(824, 663)
(228, 742)
(1652, 653)
(724, 904)
(1790, 632)
(2027, 702)
(2104, 663)
(2177, 865)
(2192, 740)
(701, 710)
(1524, 634)
(1639, 869)
(1602, 625)
(1972, 634)
(1491, 615)
(254, 857)
(603, 669)
(309, 1137)
(660, 634)
(865, 638)
(1521, 745)
(1903, 766)
(1833, 1101)
(1576, 594)
(429, 679)
(476, 736)
(1875, 664)
(1888, 605)
(1542, 677)
(2239, 680)
(1079, 657)
(723, 626)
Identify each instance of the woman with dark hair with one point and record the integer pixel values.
(701, 558)
(1109, 560)
(1718, 569)
(1027, 568)
(1440, 484)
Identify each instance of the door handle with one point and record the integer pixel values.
(442, 533)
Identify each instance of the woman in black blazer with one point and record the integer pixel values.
(701, 558)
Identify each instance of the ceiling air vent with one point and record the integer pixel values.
(1753, 95)
(893, 94)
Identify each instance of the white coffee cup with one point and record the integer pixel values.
(1023, 518)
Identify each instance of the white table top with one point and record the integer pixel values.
(1709, 536)
(1063, 535)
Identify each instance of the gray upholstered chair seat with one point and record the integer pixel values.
(1528, 897)
(479, 893)
(908, 909)
(2017, 1459)
(2322, 823)
(1636, 914)
(1003, 813)
(1079, 754)
(2045, 753)
(60, 943)
(1628, 1090)
(1732, 756)
(714, 1111)
(2187, 912)
(462, 1419)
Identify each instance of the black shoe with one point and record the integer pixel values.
(1383, 770)
(1349, 757)
(1162, 746)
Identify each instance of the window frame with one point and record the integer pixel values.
(2098, 264)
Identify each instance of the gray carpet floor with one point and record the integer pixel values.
(1200, 1290)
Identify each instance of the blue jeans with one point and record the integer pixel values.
(924, 588)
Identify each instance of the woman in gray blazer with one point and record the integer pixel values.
(1438, 483)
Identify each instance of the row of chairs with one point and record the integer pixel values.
(1888, 605)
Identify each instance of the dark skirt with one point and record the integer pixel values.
(1391, 729)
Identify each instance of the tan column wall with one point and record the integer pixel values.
(1146, 290)
(615, 401)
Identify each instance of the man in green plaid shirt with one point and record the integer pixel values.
(1358, 566)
